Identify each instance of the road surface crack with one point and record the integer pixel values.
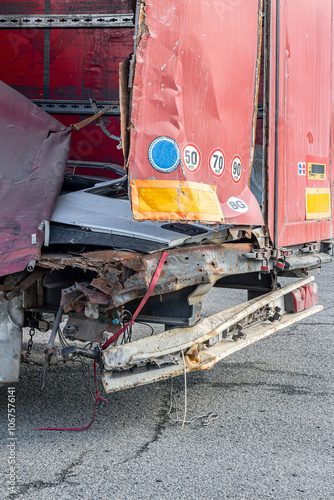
(272, 371)
(157, 432)
(282, 388)
(61, 478)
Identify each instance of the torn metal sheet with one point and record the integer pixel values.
(61, 234)
(193, 111)
(114, 216)
(200, 265)
(33, 155)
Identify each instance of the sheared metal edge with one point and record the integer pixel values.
(181, 339)
(141, 34)
(257, 86)
(207, 358)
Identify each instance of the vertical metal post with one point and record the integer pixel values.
(46, 59)
(266, 108)
(50, 346)
(277, 77)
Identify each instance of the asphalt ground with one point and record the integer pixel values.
(273, 438)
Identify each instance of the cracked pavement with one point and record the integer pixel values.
(273, 438)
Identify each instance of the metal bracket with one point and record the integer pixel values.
(74, 351)
(73, 107)
(310, 247)
(282, 253)
(67, 21)
(262, 254)
(259, 254)
(100, 123)
(328, 247)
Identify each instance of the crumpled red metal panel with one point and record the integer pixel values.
(195, 84)
(34, 149)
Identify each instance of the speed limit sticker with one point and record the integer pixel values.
(192, 157)
(236, 169)
(217, 162)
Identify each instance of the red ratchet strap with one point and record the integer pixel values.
(97, 399)
(110, 341)
(143, 302)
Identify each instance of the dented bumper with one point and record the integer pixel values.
(200, 347)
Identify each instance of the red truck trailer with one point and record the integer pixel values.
(149, 152)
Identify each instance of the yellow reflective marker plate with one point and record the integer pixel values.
(174, 200)
(318, 203)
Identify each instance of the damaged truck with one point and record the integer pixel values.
(149, 152)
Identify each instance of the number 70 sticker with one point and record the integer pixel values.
(217, 162)
(236, 169)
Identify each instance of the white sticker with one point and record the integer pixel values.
(217, 162)
(236, 169)
(192, 157)
(237, 205)
(301, 168)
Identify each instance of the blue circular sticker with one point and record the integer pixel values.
(164, 154)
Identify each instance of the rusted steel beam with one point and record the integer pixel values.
(125, 276)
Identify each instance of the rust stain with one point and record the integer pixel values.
(205, 362)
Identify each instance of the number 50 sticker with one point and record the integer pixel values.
(236, 169)
(192, 157)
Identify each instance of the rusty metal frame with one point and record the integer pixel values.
(123, 276)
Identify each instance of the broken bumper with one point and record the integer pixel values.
(199, 347)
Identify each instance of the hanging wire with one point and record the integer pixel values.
(207, 419)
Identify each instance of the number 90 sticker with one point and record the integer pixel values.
(236, 169)
(192, 157)
(217, 162)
